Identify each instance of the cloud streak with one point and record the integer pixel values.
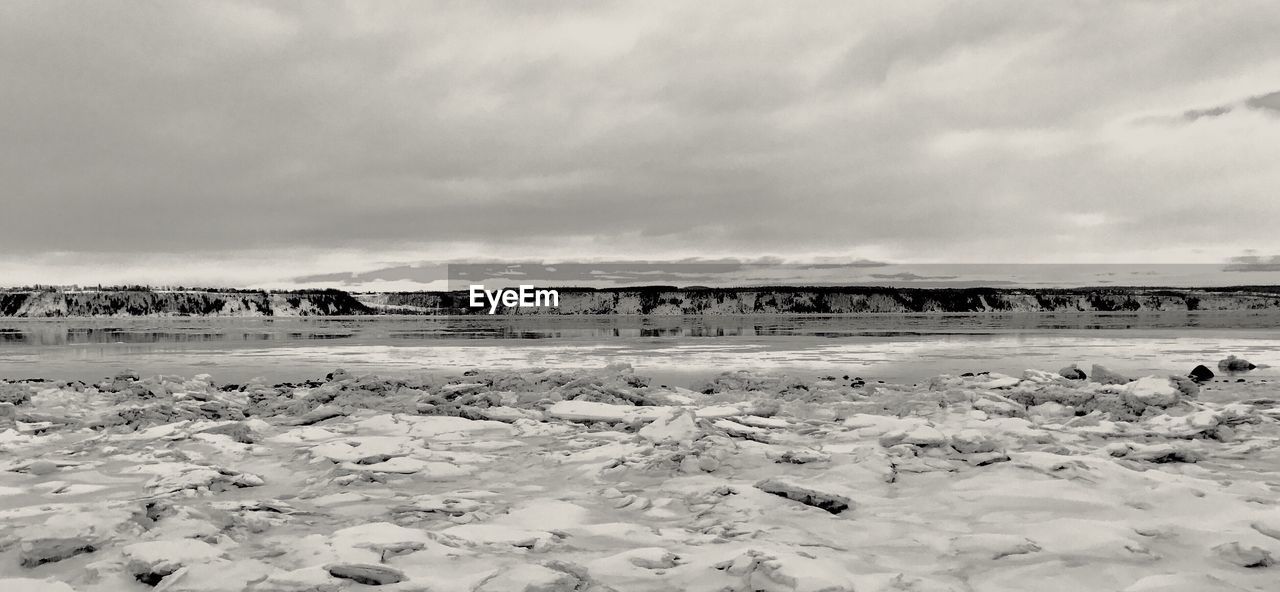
(1266, 103)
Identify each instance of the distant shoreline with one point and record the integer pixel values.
(647, 300)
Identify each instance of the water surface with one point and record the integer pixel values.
(903, 348)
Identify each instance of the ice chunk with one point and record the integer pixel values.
(1238, 554)
(34, 585)
(776, 569)
(499, 534)
(923, 435)
(1103, 375)
(379, 535)
(400, 464)
(829, 497)
(1182, 582)
(66, 534)
(1153, 391)
(215, 576)
(529, 577)
(363, 573)
(993, 545)
(673, 425)
(151, 561)
(605, 412)
(365, 448)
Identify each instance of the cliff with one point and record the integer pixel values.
(126, 303)
(660, 300)
(656, 300)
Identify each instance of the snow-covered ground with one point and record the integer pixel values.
(556, 480)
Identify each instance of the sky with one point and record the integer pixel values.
(269, 144)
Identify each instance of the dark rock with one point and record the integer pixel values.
(1073, 372)
(128, 375)
(337, 375)
(1234, 364)
(1201, 374)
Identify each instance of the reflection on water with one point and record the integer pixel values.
(373, 329)
(898, 347)
(60, 333)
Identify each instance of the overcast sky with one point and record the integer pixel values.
(252, 143)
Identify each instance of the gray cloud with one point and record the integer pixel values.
(1194, 114)
(412, 273)
(930, 131)
(910, 276)
(683, 272)
(1265, 103)
(1269, 102)
(1253, 263)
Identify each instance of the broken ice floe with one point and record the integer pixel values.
(601, 481)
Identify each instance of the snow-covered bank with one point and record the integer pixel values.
(554, 480)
